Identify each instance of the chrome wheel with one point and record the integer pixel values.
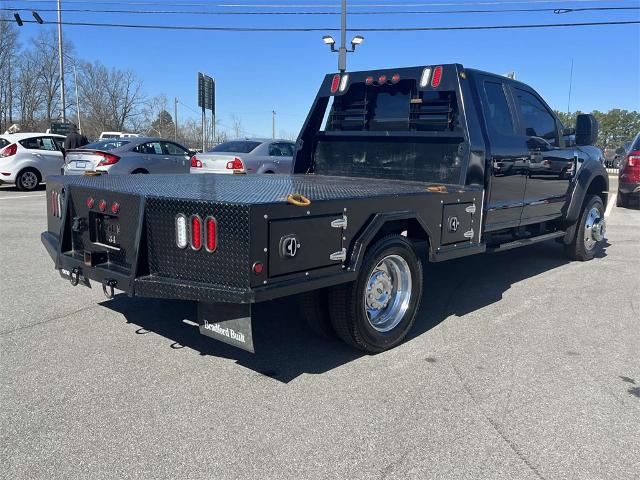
(388, 293)
(594, 229)
(29, 180)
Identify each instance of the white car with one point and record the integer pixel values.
(27, 159)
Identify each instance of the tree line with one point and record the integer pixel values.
(616, 127)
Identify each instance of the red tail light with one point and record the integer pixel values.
(102, 205)
(115, 208)
(369, 80)
(196, 232)
(90, 202)
(235, 164)
(107, 159)
(630, 171)
(382, 79)
(211, 229)
(395, 78)
(9, 150)
(437, 76)
(54, 203)
(335, 83)
(195, 163)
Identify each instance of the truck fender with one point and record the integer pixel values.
(366, 236)
(590, 181)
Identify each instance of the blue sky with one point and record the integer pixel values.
(260, 72)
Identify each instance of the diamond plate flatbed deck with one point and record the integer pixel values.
(249, 189)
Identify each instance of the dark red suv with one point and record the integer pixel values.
(629, 175)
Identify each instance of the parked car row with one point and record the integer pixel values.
(27, 159)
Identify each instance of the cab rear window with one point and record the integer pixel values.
(398, 107)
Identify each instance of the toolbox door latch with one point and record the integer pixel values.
(339, 256)
(470, 209)
(468, 234)
(340, 222)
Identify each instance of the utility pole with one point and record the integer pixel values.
(175, 118)
(75, 83)
(273, 124)
(61, 63)
(342, 52)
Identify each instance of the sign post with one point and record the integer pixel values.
(207, 101)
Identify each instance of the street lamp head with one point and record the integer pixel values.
(37, 17)
(18, 19)
(328, 39)
(357, 40)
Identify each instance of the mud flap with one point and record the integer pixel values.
(228, 322)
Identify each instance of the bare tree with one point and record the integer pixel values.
(236, 127)
(9, 47)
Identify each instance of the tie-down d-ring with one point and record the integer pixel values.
(74, 276)
(107, 288)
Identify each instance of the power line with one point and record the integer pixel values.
(320, 6)
(332, 29)
(381, 12)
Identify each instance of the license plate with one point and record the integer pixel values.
(81, 165)
(108, 231)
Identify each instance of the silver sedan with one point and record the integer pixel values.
(246, 156)
(118, 156)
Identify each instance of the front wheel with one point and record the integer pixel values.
(375, 312)
(590, 232)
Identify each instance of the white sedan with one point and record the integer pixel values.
(27, 159)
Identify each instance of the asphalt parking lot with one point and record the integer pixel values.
(521, 365)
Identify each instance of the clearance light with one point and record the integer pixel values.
(437, 76)
(90, 202)
(54, 203)
(115, 208)
(395, 78)
(369, 81)
(382, 79)
(102, 205)
(424, 80)
(181, 231)
(196, 232)
(343, 83)
(210, 228)
(335, 83)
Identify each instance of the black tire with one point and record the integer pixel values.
(577, 249)
(139, 171)
(314, 307)
(28, 180)
(347, 301)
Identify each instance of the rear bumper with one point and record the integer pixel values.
(154, 286)
(629, 188)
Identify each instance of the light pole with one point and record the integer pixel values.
(342, 50)
(61, 63)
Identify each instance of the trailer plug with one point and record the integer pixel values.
(107, 288)
(298, 200)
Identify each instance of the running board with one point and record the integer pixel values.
(526, 241)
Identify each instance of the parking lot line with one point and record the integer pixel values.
(23, 196)
(610, 204)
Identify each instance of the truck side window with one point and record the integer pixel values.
(536, 118)
(496, 110)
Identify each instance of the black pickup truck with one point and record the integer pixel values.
(459, 160)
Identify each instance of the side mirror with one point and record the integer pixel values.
(586, 129)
